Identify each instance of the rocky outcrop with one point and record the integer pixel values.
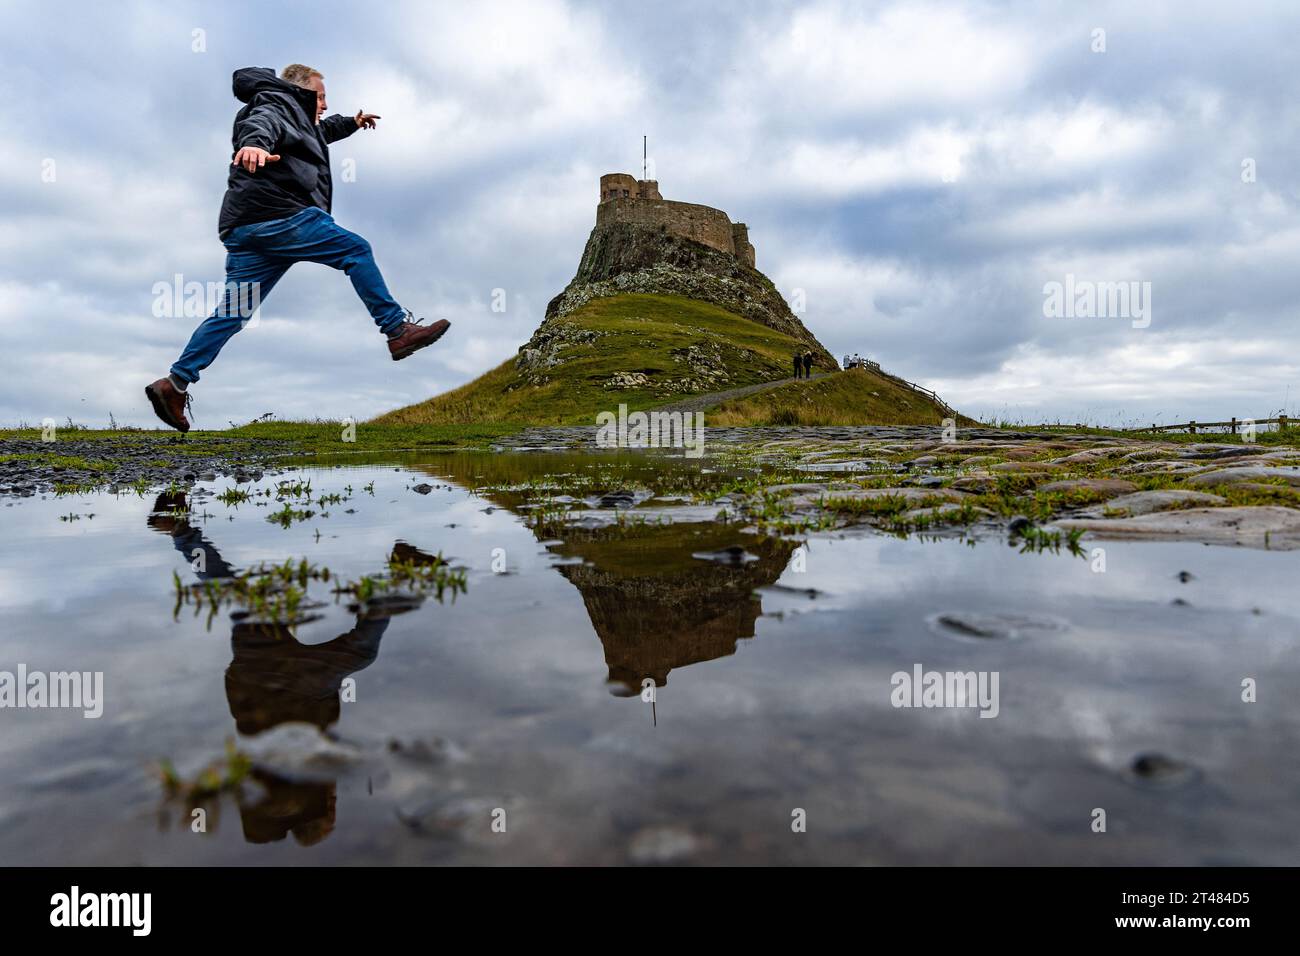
(545, 350)
(626, 258)
(628, 380)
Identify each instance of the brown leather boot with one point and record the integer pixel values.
(169, 403)
(414, 337)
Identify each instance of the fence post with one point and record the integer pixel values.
(1234, 424)
(1191, 427)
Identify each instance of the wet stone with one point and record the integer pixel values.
(663, 844)
(977, 484)
(977, 626)
(434, 750)
(797, 488)
(1243, 474)
(910, 495)
(300, 751)
(1147, 502)
(460, 817)
(732, 555)
(1161, 772)
(1101, 486)
(1025, 467)
(861, 464)
(1264, 526)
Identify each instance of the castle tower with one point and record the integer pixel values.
(740, 240)
(624, 186)
(616, 186)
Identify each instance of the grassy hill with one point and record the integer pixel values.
(678, 344)
(683, 347)
(855, 397)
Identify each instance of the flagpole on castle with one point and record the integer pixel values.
(644, 167)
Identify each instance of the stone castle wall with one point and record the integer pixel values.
(637, 202)
(688, 220)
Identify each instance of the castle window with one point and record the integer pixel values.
(624, 193)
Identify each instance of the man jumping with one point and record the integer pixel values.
(277, 212)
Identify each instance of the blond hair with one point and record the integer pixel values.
(299, 75)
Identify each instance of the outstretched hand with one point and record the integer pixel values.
(366, 120)
(253, 158)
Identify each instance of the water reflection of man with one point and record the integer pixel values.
(169, 517)
(275, 679)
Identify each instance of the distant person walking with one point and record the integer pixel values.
(798, 364)
(807, 364)
(277, 212)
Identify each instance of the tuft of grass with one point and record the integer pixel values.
(288, 515)
(234, 496)
(1036, 540)
(273, 592)
(226, 774)
(433, 575)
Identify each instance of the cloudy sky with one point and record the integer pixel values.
(920, 171)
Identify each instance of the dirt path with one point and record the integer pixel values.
(698, 403)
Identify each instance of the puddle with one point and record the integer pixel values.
(976, 626)
(631, 688)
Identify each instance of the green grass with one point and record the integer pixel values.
(325, 436)
(58, 461)
(316, 436)
(1266, 435)
(638, 333)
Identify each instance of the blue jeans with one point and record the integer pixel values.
(261, 253)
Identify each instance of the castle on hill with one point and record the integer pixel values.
(625, 199)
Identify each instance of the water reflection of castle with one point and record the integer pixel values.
(656, 607)
(653, 604)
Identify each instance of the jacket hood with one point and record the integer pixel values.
(251, 80)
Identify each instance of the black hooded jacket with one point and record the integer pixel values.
(279, 118)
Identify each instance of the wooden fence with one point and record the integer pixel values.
(875, 367)
(1190, 427)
